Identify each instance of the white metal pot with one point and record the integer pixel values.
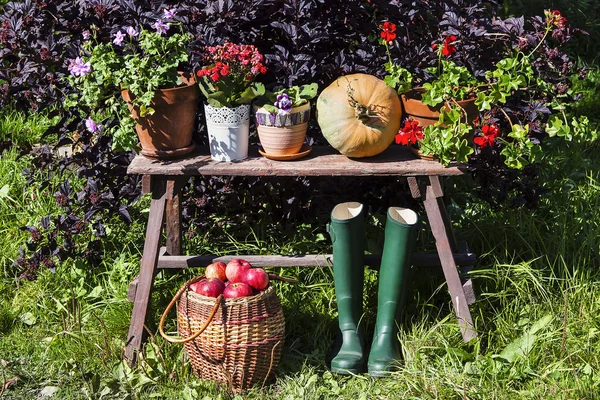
(228, 132)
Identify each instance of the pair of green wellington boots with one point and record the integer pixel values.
(347, 229)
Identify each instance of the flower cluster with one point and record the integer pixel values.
(554, 18)
(388, 31)
(410, 133)
(242, 59)
(215, 73)
(284, 103)
(78, 68)
(447, 47)
(490, 133)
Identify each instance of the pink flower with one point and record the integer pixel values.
(160, 27)
(78, 68)
(118, 40)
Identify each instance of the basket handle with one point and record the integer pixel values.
(195, 335)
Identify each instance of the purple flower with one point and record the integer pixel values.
(160, 27)
(283, 103)
(131, 31)
(78, 68)
(168, 14)
(86, 35)
(91, 126)
(118, 40)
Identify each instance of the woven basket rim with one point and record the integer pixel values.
(211, 300)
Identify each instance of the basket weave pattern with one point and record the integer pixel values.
(243, 343)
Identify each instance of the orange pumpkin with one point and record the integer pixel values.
(359, 115)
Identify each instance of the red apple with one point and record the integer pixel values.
(235, 270)
(216, 270)
(211, 287)
(235, 290)
(194, 286)
(257, 278)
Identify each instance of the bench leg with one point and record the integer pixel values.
(147, 270)
(442, 231)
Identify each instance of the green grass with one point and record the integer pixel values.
(23, 129)
(537, 313)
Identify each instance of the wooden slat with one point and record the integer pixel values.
(307, 260)
(322, 161)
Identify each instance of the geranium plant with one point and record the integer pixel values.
(139, 60)
(454, 137)
(282, 100)
(228, 78)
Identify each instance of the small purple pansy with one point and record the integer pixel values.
(284, 103)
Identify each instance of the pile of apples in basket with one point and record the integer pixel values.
(235, 279)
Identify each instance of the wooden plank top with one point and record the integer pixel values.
(322, 161)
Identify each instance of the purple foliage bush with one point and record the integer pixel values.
(303, 41)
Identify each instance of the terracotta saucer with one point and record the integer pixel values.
(169, 154)
(304, 150)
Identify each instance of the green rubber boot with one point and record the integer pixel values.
(395, 265)
(347, 231)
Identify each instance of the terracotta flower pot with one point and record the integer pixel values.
(168, 132)
(427, 115)
(284, 133)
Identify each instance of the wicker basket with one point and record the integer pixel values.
(233, 341)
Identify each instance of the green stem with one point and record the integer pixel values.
(548, 29)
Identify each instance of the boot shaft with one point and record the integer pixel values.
(395, 266)
(347, 231)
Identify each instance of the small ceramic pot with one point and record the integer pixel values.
(283, 133)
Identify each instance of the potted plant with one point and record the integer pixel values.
(282, 119)
(158, 100)
(452, 85)
(461, 131)
(227, 82)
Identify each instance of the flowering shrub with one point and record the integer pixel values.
(228, 80)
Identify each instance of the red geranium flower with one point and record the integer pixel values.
(490, 133)
(448, 48)
(388, 30)
(410, 133)
(554, 17)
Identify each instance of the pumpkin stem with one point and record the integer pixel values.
(361, 111)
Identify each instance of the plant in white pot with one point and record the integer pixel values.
(227, 82)
(282, 119)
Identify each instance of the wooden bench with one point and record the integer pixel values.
(165, 179)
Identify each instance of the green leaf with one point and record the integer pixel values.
(308, 92)
(483, 102)
(28, 318)
(271, 109)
